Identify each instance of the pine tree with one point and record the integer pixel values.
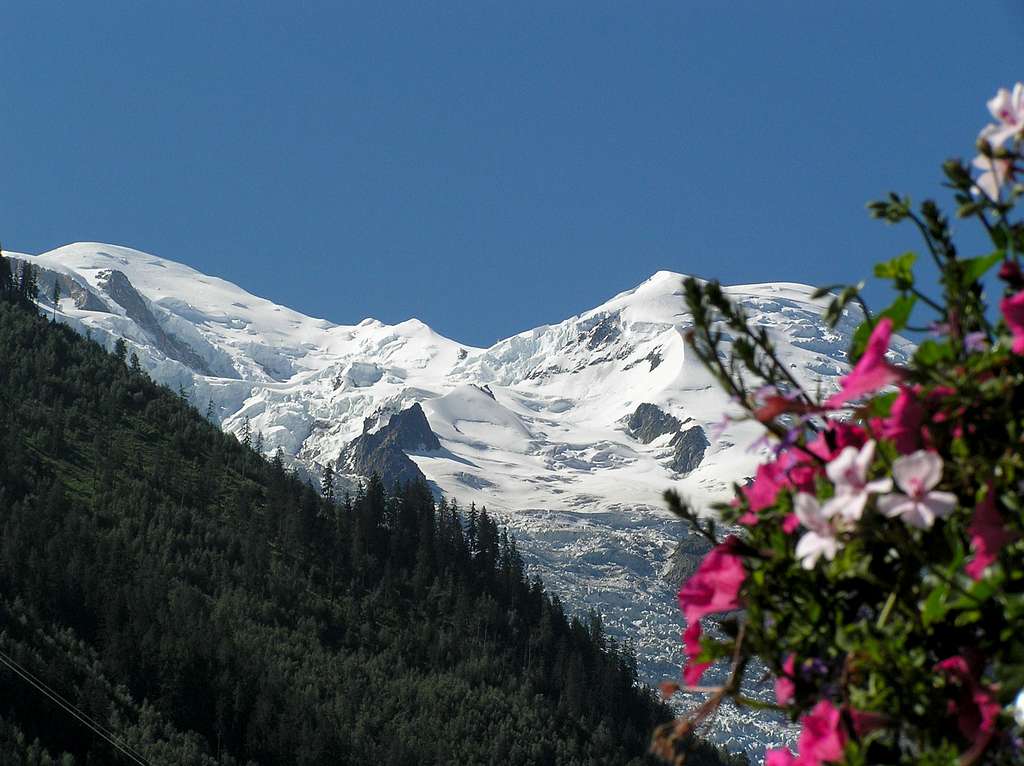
(327, 485)
(136, 367)
(209, 410)
(120, 350)
(6, 277)
(28, 287)
(247, 432)
(56, 297)
(258, 446)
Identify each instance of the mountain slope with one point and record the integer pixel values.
(569, 432)
(147, 556)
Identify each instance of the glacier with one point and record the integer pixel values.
(569, 433)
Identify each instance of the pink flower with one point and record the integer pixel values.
(865, 722)
(790, 523)
(765, 488)
(988, 536)
(904, 423)
(691, 646)
(995, 174)
(822, 738)
(872, 371)
(714, 587)
(976, 708)
(779, 757)
(835, 438)
(785, 689)
(917, 475)
(1013, 313)
(1008, 109)
(1010, 273)
(820, 538)
(849, 472)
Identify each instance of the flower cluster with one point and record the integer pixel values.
(877, 560)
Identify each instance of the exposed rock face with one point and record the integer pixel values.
(69, 288)
(690, 446)
(685, 559)
(384, 452)
(121, 290)
(648, 422)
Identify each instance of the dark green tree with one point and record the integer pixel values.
(6, 277)
(120, 350)
(327, 488)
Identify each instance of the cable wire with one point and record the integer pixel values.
(82, 717)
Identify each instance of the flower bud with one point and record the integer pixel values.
(1010, 273)
(984, 147)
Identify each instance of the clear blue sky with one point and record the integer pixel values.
(487, 166)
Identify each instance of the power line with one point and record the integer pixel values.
(106, 734)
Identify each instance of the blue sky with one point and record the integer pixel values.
(483, 166)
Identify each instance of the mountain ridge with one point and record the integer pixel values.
(560, 394)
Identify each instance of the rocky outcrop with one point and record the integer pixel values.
(121, 290)
(383, 452)
(83, 297)
(685, 559)
(649, 422)
(690, 446)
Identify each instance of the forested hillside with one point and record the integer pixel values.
(207, 607)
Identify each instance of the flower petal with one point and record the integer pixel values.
(917, 472)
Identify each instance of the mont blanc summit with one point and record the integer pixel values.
(602, 411)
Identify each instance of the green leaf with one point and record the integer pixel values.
(898, 311)
(931, 352)
(899, 269)
(935, 605)
(840, 302)
(975, 268)
(821, 292)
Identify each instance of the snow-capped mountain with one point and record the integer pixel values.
(571, 431)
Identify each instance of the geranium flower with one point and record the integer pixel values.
(822, 738)
(872, 371)
(1008, 109)
(995, 173)
(835, 438)
(903, 425)
(714, 587)
(988, 536)
(780, 756)
(849, 473)
(977, 709)
(820, 538)
(693, 671)
(785, 688)
(1013, 313)
(769, 479)
(917, 475)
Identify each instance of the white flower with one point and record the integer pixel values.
(1018, 710)
(820, 538)
(917, 475)
(1008, 109)
(996, 172)
(849, 473)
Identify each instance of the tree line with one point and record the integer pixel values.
(208, 607)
